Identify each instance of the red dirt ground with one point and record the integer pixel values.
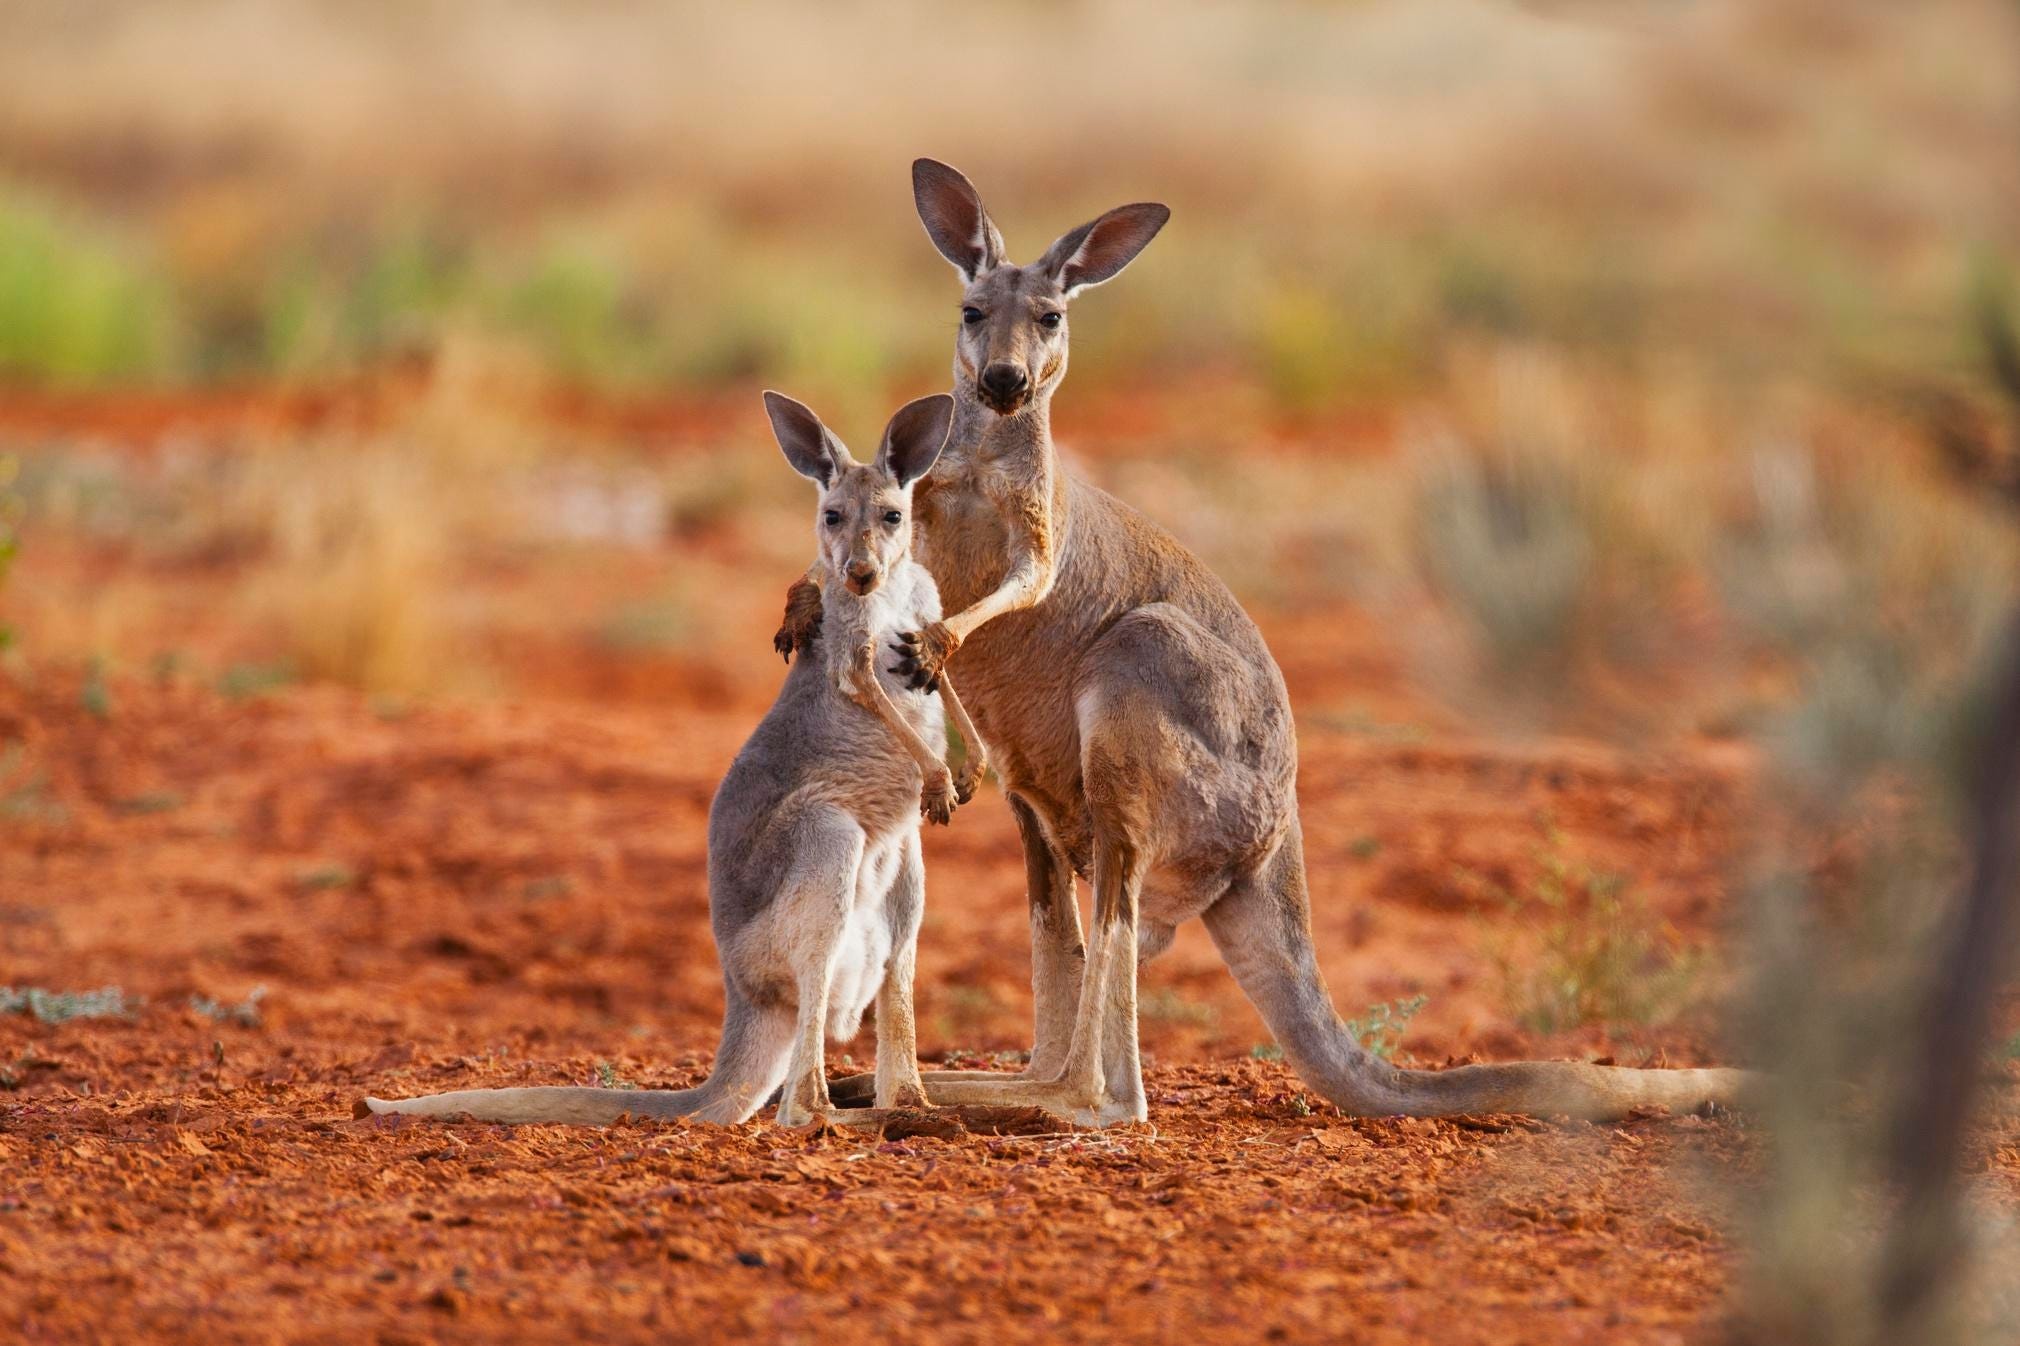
(510, 894)
(512, 891)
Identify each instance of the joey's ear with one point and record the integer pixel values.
(954, 218)
(1099, 249)
(809, 447)
(915, 436)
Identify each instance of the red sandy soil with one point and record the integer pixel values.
(511, 894)
(512, 891)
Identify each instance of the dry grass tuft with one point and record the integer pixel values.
(1592, 952)
(355, 581)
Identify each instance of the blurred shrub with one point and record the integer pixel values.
(1886, 594)
(1505, 539)
(1593, 953)
(1885, 600)
(357, 570)
(575, 305)
(1380, 1028)
(78, 306)
(55, 1007)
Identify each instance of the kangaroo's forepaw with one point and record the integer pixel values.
(923, 654)
(937, 799)
(801, 625)
(968, 779)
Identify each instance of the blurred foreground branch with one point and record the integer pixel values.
(1926, 1247)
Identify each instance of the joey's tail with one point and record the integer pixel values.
(749, 1064)
(1263, 930)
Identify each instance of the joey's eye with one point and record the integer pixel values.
(893, 517)
(1048, 321)
(834, 518)
(971, 315)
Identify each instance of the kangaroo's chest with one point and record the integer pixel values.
(964, 536)
(907, 602)
(1016, 673)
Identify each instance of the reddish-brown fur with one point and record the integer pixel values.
(1141, 729)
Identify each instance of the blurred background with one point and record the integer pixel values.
(1699, 283)
(1613, 393)
(1611, 325)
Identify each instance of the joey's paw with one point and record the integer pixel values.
(968, 779)
(922, 654)
(937, 799)
(801, 625)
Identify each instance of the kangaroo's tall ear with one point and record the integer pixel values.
(915, 436)
(952, 212)
(1099, 249)
(810, 448)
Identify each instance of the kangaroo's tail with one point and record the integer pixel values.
(749, 1065)
(1263, 930)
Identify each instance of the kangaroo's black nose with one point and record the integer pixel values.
(1005, 382)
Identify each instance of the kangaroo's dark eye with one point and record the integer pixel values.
(834, 518)
(893, 518)
(1050, 320)
(971, 315)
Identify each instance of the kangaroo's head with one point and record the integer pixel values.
(864, 522)
(1012, 343)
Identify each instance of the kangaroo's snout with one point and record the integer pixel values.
(862, 578)
(1004, 386)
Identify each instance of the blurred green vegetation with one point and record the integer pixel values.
(691, 300)
(644, 199)
(80, 302)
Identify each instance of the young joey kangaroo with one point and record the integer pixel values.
(1141, 729)
(816, 885)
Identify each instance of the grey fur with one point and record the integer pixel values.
(816, 886)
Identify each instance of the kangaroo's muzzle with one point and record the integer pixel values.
(1003, 387)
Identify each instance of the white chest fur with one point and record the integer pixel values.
(907, 600)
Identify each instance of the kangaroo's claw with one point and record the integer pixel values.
(929, 651)
(938, 799)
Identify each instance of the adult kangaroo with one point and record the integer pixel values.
(1139, 725)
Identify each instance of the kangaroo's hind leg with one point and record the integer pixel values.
(1058, 948)
(1100, 1080)
(1058, 956)
(806, 925)
(898, 1083)
(1142, 772)
(900, 1098)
